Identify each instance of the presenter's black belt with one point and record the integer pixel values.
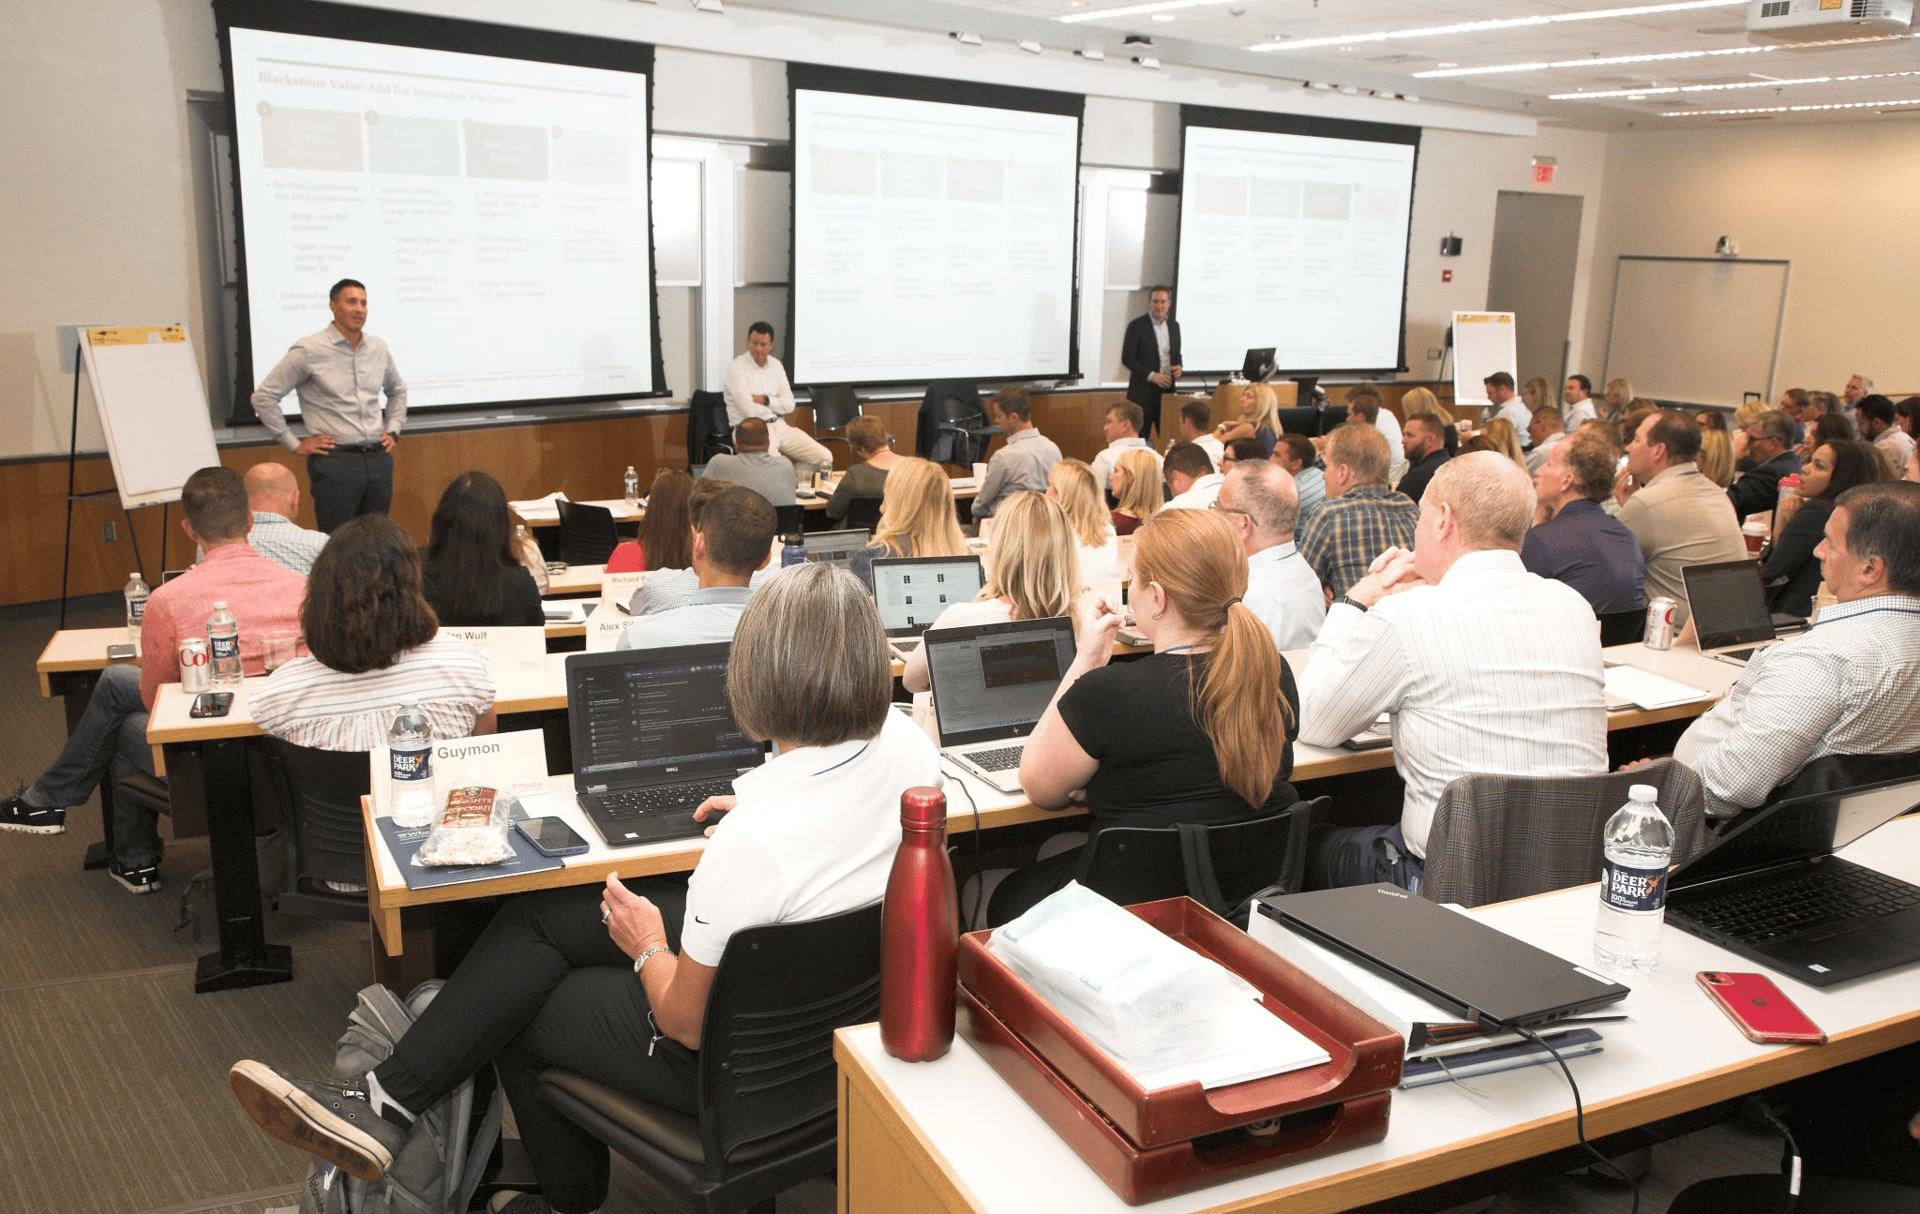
(359, 448)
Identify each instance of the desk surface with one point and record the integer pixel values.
(951, 1135)
(546, 514)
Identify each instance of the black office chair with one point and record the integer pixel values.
(1622, 627)
(767, 1080)
(833, 408)
(863, 512)
(787, 520)
(320, 793)
(708, 433)
(1221, 867)
(951, 422)
(587, 534)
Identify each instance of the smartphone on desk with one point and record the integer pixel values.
(551, 836)
(211, 704)
(1759, 1009)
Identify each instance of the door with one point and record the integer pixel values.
(1536, 240)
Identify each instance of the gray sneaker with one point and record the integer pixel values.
(330, 1119)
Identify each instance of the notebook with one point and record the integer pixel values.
(1729, 608)
(836, 547)
(1771, 889)
(653, 737)
(1475, 971)
(991, 683)
(912, 591)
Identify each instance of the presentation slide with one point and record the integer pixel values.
(495, 208)
(930, 241)
(1297, 242)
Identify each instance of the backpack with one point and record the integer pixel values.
(438, 1168)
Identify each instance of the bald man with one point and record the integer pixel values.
(274, 497)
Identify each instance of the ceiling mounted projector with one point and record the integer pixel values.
(1817, 20)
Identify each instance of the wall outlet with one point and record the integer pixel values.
(107, 533)
(1434, 354)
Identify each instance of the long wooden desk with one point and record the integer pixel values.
(952, 1136)
(546, 514)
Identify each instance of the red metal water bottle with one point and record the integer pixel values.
(919, 934)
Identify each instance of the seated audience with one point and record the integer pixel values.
(1243, 450)
(1770, 450)
(1415, 401)
(874, 457)
(1876, 416)
(471, 576)
(1679, 516)
(274, 498)
(1906, 415)
(1530, 702)
(1362, 517)
(1507, 406)
(1788, 566)
(1850, 686)
(1858, 388)
(111, 736)
(1364, 405)
(916, 518)
(1576, 403)
(732, 541)
(665, 537)
(1536, 394)
(1824, 428)
(1579, 543)
(1295, 453)
(1259, 418)
(1097, 548)
(1261, 503)
(1032, 572)
(1715, 460)
(1619, 398)
(1424, 440)
(1191, 476)
(1711, 419)
(1200, 731)
(1505, 439)
(1135, 484)
(1544, 429)
(670, 589)
(612, 980)
(1122, 429)
(1021, 466)
(1196, 427)
(753, 464)
(374, 647)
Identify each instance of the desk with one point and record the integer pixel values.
(952, 1136)
(546, 514)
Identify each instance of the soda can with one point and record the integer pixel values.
(1660, 613)
(196, 665)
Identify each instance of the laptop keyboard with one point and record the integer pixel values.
(684, 798)
(1001, 758)
(1799, 904)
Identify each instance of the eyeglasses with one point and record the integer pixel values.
(1217, 508)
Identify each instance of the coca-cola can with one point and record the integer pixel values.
(196, 665)
(1660, 613)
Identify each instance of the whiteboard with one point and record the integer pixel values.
(153, 408)
(1697, 330)
(1482, 344)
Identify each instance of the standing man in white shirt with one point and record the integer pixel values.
(339, 374)
(1121, 429)
(757, 387)
(1576, 403)
(1262, 505)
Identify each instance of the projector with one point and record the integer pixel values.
(1815, 20)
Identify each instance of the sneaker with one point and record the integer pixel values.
(330, 1119)
(508, 1201)
(137, 878)
(16, 814)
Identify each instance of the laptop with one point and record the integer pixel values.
(991, 683)
(1257, 365)
(653, 737)
(1729, 608)
(912, 591)
(836, 547)
(1770, 889)
(1475, 971)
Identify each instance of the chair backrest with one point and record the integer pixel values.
(587, 534)
(863, 512)
(1500, 837)
(833, 408)
(320, 791)
(1219, 866)
(788, 519)
(1332, 417)
(1301, 419)
(945, 400)
(766, 1044)
(708, 433)
(1622, 627)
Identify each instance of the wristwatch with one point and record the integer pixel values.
(640, 962)
(1350, 601)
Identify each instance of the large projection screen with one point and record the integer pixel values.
(933, 229)
(487, 184)
(1293, 234)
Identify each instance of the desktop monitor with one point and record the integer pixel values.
(1257, 365)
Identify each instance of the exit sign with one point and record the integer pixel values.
(1543, 173)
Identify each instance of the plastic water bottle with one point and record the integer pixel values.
(1633, 884)
(223, 645)
(633, 486)
(793, 550)
(136, 594)
(410, 743)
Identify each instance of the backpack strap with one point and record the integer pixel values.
(1196, 856)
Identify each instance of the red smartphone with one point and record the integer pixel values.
(1758, 1007)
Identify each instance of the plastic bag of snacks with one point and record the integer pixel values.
(470, 827)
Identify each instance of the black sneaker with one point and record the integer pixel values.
(16, 814)
(137, 878)
(332, 1119)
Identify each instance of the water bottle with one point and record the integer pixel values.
(410, 743)
(919, 934)
(223, 645)
(633, 487)
(136, 594)
(1633, 884)
(794, 551)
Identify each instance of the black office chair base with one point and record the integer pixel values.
(214, 973)
(96, 856)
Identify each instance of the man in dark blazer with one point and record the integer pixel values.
(1151, 354)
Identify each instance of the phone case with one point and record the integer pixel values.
(549, 852)
(1759, 1008)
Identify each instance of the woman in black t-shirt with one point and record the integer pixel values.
(1200, 731)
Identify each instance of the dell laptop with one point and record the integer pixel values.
(836, 547)
(653, 737)
(991, 683)
(912, 591)
(1771, 888)
(1729, 609)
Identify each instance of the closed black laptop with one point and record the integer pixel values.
(1771, 888)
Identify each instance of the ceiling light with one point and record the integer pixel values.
(1476, 27)
(1148, 62)
(1136, 10)
(1604, 61)
(709, 6)
(1028, 45)
(1348, 90)
(1771, 82)
(1091, 52)
(965, 36)
(1164, 17)
(1319, 86)
(1796, 109)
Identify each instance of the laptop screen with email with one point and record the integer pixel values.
(911, 592)
(637, 714)
(993, 681)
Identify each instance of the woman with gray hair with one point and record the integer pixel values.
(552, 980)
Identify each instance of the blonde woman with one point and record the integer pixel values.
(1422, 400)
(1136, 486)
(1201, 730)
(1716, 457)
(1032, 573)
(1505, 439)
(1619, 398)
(916, 518)
(1538, 395)
(1259, 417)
(1070, 485)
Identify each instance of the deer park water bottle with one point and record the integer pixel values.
(410, 751)
(1638, 841)
(633, 486)
(136, 595)
(223, 645)
(919, 934)
(793, 550)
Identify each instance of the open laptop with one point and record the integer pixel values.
(653, 737)
(836, 547)
(1772, 890)
(1475, 971)
(1729, 608)
(991, 683)
(912, 591)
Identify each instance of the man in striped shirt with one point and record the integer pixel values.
(274, 497)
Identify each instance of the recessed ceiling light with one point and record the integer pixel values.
(1448, 63)
(1770, 83)
(1163, 17)
(1136, 10)
(1663, 57)
(1507, 23)
(1797, 109)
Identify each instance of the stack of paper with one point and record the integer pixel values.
(1631, 686)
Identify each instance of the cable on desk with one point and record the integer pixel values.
(1579, 1112)
(973, 920)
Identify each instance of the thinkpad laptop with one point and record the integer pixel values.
(653, 737)
(1729, 609)
(912, 591)
(1771, 888)
(836, 547)
(991, 683)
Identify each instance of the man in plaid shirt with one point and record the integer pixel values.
(1362, 517)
